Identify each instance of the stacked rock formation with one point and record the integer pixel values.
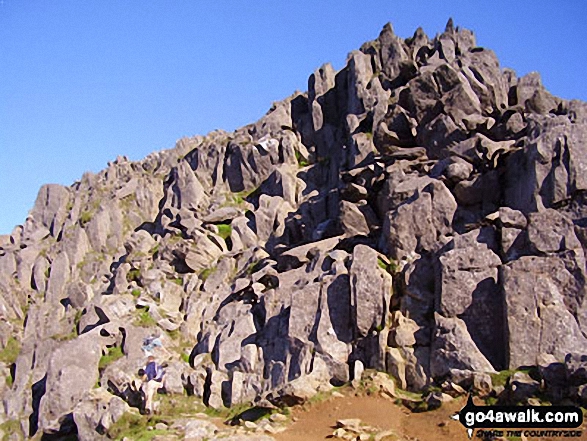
(420, 212)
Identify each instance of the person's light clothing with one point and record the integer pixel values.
(150, 389)
(150, 344)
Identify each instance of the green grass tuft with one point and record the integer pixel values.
(381, 264)
(175, 405)
(253, 267)
(393, 267)
(10, 352)
(301, 161)
(501, 378)
(490, 401)
(135, 427)
(206, 273)
(224, 230)
(85, 217)
(113, 354)
(144, 319)
(66, 337)
(238, 199)
(10, 427)
(177, 281)
(133, 275)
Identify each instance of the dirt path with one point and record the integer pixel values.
(316, 422)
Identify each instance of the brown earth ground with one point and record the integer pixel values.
(317, 421)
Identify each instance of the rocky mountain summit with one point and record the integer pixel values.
(421, 212)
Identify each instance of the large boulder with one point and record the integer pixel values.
(50, 208)
(416, 224)
(370, 291)
(72, 371)
(549, 169)
(469, 290)
(453, 348)
(96, 413)
(544, 308)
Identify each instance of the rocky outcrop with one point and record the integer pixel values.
(420, 212)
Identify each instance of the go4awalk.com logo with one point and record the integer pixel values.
(531, 421)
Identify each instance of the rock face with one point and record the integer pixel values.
(420, 212)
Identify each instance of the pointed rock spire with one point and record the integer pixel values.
(387, 30)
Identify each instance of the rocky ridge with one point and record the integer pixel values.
(419, 212)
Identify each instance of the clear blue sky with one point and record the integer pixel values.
(84, 81)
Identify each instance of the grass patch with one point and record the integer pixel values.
(215, 413)
(175, 238)
(392, 267)
(382, 264)
(177, 281)
(136, 292)
(238, 199)
(224, 230)
(501, 378)
(490, 401)
(301, 161)
(10, 352)
(239, 409)
(175, 334)
(179, 405)
(319, 397)
(134, 427)
(144, 319)
(408, 394)
(253, 267)
(206, 273)
(323, 396)
(133, 275)
(78, 316)
(85, 217)
(113, 354)
(431, 388)
(66, 337)
(9, 427)
(25, 309)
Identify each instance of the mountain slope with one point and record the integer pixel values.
(419, 212)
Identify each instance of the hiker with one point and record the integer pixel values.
(152, 345)
(152, 380)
